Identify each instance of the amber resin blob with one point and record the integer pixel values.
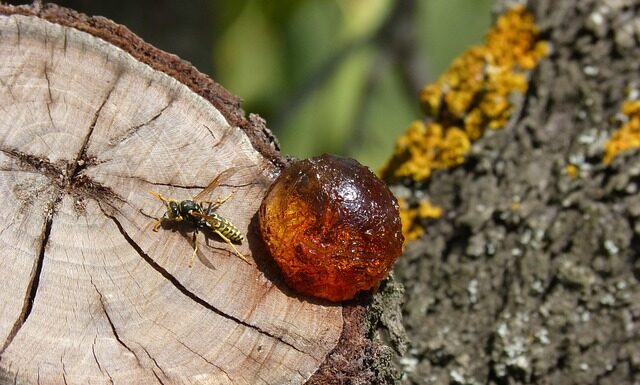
(332, 226)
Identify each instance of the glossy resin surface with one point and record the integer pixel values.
(332, 226)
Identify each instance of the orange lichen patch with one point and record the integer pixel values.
(411, 217)
(471, 96)
(571, 170)
(626, 137)
(425, 147)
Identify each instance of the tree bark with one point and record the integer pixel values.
(531, 276)
(92, 119)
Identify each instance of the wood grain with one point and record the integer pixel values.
(91, 294)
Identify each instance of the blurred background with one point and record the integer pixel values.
(337, 76)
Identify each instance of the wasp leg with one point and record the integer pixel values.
(158, 223)
(195, 248)
(217, 203)
(232, 246)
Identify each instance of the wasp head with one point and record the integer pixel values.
(173, 211)
(173, 207)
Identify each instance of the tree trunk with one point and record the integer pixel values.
(531, 275)
(92, 119)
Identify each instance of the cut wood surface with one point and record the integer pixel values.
(91, 295)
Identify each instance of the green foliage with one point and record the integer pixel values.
(323, 79)
(449, 27)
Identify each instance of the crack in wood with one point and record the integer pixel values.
(6, 228)
(79, 186)
(190, 187)
(50, 119)
(80, 162)
(156, 365)
(46, 76)
(95, 358)
(3, 169)
(133, 130)
(48, 104)
(262, 181)
(32, 288)
(210, 132)
(157, 377)
(64, 372)
(205, 360)
(223, 138)
(50, 43)
(18, 33)
(35, 163)
(191, 295)
(113, 328)
(120, 341)
(64, 42)
(165, 184)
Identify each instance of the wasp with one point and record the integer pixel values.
(193, 212)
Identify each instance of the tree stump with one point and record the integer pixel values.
(92, 119)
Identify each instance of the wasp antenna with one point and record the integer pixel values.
(158, 195)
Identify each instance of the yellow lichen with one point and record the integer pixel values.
(471, 96)
(412, 215)
(427, 210)
(626, 137)
(571, 170)
(428, 147)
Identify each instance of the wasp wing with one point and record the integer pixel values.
(203, 216)
(215, 183)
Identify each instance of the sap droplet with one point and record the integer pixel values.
(332, 226)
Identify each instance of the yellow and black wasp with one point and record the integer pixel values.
(193, 212)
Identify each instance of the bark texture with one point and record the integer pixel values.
(532, 276)
(91, 120)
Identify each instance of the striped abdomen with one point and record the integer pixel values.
(216, 222)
